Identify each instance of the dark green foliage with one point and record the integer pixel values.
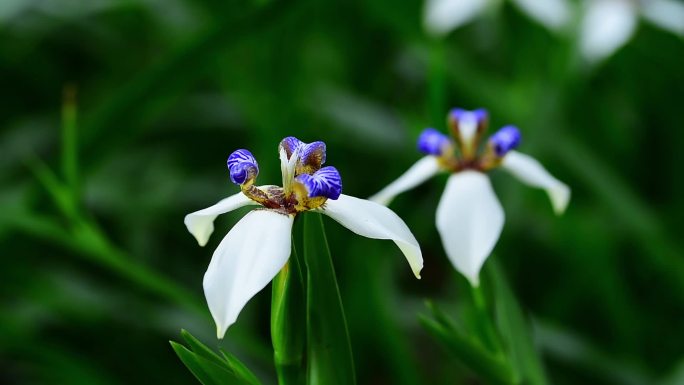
(94, 186)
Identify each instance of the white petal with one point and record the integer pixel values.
(467, 128)
(553, 14)
(201, 223)
(469, 221)
(666, 14)
(421, 171)
(530, 171)
(443, 16)
(376, 221)
(607, 25)
(246, 260)
(287, 167)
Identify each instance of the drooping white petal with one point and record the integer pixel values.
(530, 171)
(553, 14)
(201, 223)
(607, 25)
(376, 221)
(246, 260)
(421, 171)
(469, 221)
(666, 14)
(443, 16)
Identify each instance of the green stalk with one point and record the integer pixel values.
(70, 142)
(288, 323)
(436, 81)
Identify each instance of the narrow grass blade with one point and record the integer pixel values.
(209, 367)
(493, 369)
(515, 332)
(329, 350)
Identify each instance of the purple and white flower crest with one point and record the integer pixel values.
(301, 164)
(462, 151)
(311, 156)
(325, 182)
(290, 144)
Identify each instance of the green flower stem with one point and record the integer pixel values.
(70, 142)
(288, 332)
(437, 81)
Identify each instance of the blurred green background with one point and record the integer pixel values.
(96, 279)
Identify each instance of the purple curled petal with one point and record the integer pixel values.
(325, 182)
(313, 154)
(505, 140)
(480, 115)
(241, 173)
(458, 114)
(290, 144)
(242, 166)
(241, 156)
(432, 142)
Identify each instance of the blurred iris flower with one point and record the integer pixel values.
(604, 25)
(607, 25)
(469, 215)
(259, 245)
(443, 16)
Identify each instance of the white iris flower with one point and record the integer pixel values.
(469, 215)
(604, 25)
(607, 25)
(259, 245)
(443, 16)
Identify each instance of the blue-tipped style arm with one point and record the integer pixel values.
(505, 140)
(479, 116)
(243, 166)
(325, 182)
(291, 144)
(313, 155)
(433, 142)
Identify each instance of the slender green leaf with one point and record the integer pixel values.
(515, 330)
(485, 324)
(58, 191)
(288, 332)
(206, 371)
(240, 369)
(211, 368)
(485, 364)
(200, 349)
(329, 350)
